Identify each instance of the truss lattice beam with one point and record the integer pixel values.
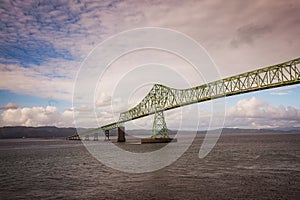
(166, 98)
(162, 98)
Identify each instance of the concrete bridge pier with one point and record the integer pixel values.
(106, 134)
(121, 134)
(96, 137)
(87, 137)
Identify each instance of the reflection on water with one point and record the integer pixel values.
(240, 166)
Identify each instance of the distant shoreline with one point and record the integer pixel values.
(52, 132)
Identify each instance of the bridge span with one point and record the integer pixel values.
(162, 98)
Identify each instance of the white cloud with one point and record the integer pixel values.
(37, 116)
(238, 35)
(248, 108)
(103, 100)
(279, 93)
(283, 90)
(263, 33)
(247, 113)
(39, 82)
(254, 113)
(78, 27)
(248, 34)
(9, 105)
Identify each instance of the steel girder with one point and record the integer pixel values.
(166, 98)
(162, 98)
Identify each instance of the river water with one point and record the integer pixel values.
(243, 166)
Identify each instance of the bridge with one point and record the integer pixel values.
(162, 98)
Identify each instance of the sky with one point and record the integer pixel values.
(44, 43)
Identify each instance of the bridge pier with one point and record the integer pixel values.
(73, 137)
(121, 134)
(106, 134)
(87, 137)
(96, 137)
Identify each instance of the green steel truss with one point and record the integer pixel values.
(162, 98)
(166, 98)
(159, 126)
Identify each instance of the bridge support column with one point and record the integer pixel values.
(106, 134)
(87, 137)
(159, 126)
(96, 137)
(77, 137)
(121, 134)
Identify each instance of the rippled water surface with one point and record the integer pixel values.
(239, 167)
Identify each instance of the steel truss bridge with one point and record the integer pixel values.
(162, 98)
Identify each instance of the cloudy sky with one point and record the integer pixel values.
(43, 44)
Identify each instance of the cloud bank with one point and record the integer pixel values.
(37, 116)
(42, 45)
(254, 113)
(8, 106)
(247, 113)
(55, 36)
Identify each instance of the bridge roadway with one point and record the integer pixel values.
(162, 98)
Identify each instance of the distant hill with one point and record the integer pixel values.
(286, 129)
(271, 130)
(257, 131)
(35, 132)
(55, 132)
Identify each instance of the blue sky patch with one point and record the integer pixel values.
(24, 100)
(34, 51)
